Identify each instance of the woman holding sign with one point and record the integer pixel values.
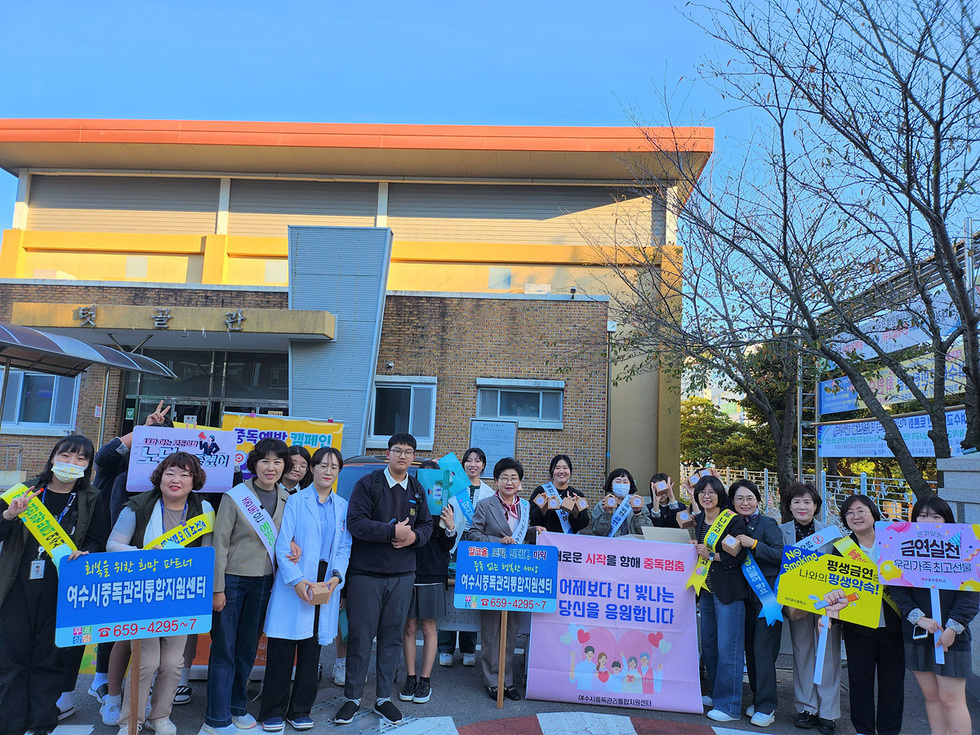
(721, 599)
(503, 518)
(943, 685)
(245, 534)
(169, 514)
(305, 603)
(33, 671)
(555, 519)
(621, 511)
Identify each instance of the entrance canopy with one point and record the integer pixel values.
(55, 354)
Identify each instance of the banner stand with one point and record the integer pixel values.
(937, 615)
(501, 660)
(134, 687)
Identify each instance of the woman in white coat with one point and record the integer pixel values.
(316, 519)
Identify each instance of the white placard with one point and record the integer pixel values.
(497, 439)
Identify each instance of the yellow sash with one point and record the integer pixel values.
(852, 551)
(699, 577)
(186, 532)
(39, 521)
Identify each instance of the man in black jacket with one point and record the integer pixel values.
(388, 518)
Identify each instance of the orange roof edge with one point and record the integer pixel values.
(359, 135)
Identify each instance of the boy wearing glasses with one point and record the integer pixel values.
(388, 518)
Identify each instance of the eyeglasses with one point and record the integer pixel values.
(401, 452)
(857, 512)
(324, 467)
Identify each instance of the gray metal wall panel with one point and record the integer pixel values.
(266, 208)
(123, 204)
(343, 270)
(557, 215)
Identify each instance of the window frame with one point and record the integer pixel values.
(380, 441)
(523, 385)
(36, 428)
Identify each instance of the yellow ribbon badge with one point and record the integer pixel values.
(699, 577)
(186, 532)
(39, 521)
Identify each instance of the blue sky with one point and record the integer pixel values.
(495, 62)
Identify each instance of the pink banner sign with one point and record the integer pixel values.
(942, 556)
(625, 632)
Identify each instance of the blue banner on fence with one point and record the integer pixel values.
(506, 577)
(134, 594)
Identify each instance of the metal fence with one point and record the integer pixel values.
(11, 457)
(893, 496)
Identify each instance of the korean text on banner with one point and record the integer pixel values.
(134, 594)
(807, 577)
(493, 576)
(295, 431)
(625, 632)
(151, 444)
(942, 556)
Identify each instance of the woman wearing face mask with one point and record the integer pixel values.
(245, 533)
(33, 671)
(298, 471)
(816, 704)
(765, 542)
(943, 685)
(612, 521)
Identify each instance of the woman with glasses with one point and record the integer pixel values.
(722, 600)
(873, 652)
(316, 519)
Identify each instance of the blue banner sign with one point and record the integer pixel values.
(134, 594)
(867, 438)
(506, 577)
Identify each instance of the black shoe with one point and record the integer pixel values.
(407, 694)
(826, 727)
(512, 694)
(422, 692)
(492, 693)
(388, 712)
(806, 720)
(345, 715)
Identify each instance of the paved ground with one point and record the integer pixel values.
(460, 706)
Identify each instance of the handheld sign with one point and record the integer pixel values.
(436, 484)
(493, 576)
(215, 450)
(808, 578)
(134, 594)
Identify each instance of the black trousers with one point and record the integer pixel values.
(277, 701)
(872, 651)
(32, 668)
(761, 650)
(376, 606)
(447, 641)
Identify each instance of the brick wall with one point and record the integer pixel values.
(458, 340)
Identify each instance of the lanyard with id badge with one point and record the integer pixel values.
(37, 566)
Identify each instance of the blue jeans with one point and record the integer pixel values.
(234, 639)
(722, 646)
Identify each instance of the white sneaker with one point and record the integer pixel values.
(469, 659)
(162, 726)
(226, 730)
(110, 710)
(243, 722)
(706, 701)
(445, 659)
(761, 719)
(718, 716)
(340, 673)
(750, 710)
(124, 729)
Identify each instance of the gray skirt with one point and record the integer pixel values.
(921, 658)
(428, 601)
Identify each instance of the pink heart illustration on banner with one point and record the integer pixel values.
(583, 636)
(602, 676)
(655, 638)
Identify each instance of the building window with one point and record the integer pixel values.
(403, 403)
(39, 404)
(535, 404)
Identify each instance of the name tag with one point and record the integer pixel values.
(37, 569)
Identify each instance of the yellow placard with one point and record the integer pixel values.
(808, 577)
(39, 521)
(294, 431)
(186, 532)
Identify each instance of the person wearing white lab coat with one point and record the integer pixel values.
(316, 519)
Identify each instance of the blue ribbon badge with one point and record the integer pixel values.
(772, 611)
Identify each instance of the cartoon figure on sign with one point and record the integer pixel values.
(615, 683)
(632, 682)
(582, 673)
(208, 445)
(601, 672)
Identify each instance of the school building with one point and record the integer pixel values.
(389, 276)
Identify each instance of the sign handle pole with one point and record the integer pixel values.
(937, 615)
(134, 687)
(821, 650)
(501, 660)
